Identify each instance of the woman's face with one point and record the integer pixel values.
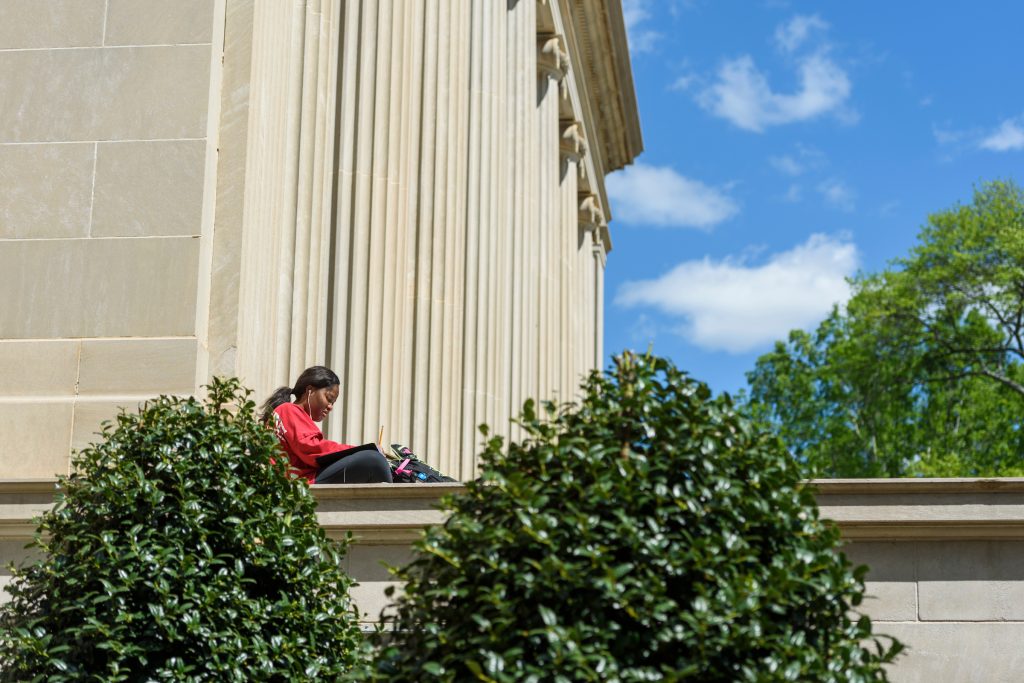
(320, 401)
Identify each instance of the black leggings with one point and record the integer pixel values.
(364, 467)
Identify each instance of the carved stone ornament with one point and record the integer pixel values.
(591, 217)
(573, 144)
(552, 59)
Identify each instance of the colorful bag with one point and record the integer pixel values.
(406, 468)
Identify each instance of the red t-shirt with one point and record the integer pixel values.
(302, 440)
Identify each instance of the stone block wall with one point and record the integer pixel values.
(950, 601)
(946, 559)
(104, 108)
(946, 577)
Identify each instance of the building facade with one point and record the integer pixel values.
(409, 191)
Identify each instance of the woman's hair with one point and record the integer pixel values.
(317, 377)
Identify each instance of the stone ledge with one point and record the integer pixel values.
(380, 514)
(375, 514)
(876, 487)
(864, 509)
(923, 509)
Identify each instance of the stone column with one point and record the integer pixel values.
(573, 148)
(485, 181)
(286, 217)
(600, 259)
(591, 218)
(552, 64)
(397, 329)
(521, 143)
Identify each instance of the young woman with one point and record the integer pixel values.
(315, 393)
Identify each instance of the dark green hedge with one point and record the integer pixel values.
(178, 551)
(648, 534)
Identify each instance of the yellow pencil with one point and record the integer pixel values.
(380, 437)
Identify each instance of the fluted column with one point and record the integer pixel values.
(600, 259)
(552, 65)
(521, 136)
(286, 218)
(400, 235)
(591, 218)
(572, 146)
(421, 214)
(485, 181)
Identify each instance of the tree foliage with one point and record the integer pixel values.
(649, 533)
(921, 373)
(179, 550)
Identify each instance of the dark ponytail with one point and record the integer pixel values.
(318, 377)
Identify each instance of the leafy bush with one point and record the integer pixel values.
(648, 534)
(180, 551)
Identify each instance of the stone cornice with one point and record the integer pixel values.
(599, 48)
(598, 88)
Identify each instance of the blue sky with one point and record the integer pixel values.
(789, 145)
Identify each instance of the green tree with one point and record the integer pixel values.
(921, 373)
(649, 533)
(179, 550)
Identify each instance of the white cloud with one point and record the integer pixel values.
(946, 135)
(838, 194)
(635, 13)
(1008, 137)
(643, 331)
(683, 82)
(794, 33)
(804, 159)
(659, 196)
(743, 96)
(889, 208)
(787, 165)
(730, 306)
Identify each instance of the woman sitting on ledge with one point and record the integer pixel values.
(315, 392)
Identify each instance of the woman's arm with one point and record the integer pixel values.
(301, 437)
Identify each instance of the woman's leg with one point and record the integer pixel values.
(364, 467)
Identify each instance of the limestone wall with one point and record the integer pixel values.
(947, 571)
(946, 559)
(104, 120)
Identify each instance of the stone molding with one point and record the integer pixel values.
(864, 510)
(923, 509)
(597, 46)
(597, 89)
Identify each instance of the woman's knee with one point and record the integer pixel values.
(381, 469)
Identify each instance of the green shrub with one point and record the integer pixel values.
(180, 551)
(648, 534)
